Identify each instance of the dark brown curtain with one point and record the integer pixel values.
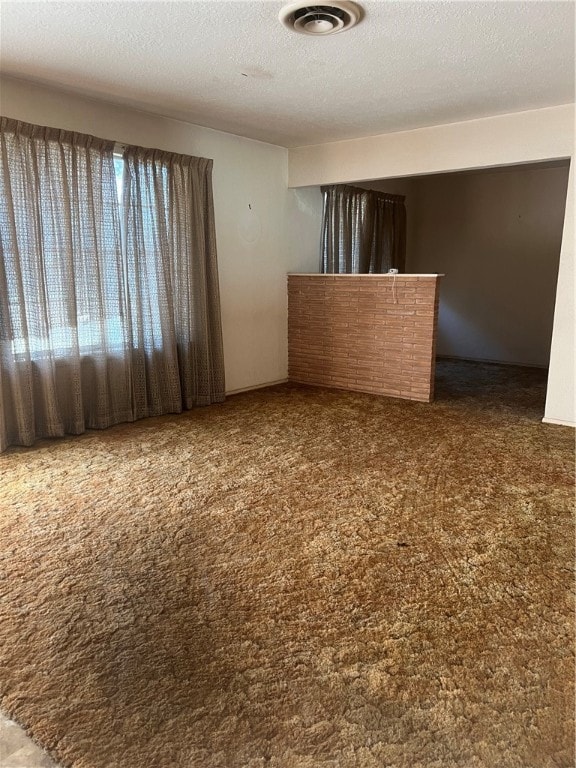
(363, 231)
(96, 328)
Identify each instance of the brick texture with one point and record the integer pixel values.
(370, 333)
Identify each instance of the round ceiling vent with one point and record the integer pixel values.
(325, 19)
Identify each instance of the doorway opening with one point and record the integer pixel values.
(496, 235)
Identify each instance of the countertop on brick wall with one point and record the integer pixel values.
(362, 274)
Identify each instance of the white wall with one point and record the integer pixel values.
(522, 137)
(496, 235)
(561, 396)
(263, 229)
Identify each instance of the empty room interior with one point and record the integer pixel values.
(287, 384)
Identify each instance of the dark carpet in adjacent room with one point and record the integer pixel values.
(298, 578)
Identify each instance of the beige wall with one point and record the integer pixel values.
(522, 137)
(263, 229)
(561, 394)
(496, 235)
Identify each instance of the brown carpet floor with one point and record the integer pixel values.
(298, 578)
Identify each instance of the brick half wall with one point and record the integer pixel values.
(369, 333)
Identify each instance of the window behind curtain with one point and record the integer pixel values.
(96, 327)
(60, 238)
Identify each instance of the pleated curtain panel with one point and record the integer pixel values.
(109, 312)
(363, 231)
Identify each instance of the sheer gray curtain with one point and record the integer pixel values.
(363, 231)
(172, 271)
(64, 353)
(92, 332)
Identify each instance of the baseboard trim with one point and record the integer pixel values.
(559, 422)
(256, 386)
(492, 362)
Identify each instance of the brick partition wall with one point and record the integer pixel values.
(370, 333)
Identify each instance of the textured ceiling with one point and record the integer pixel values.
(232, 66)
